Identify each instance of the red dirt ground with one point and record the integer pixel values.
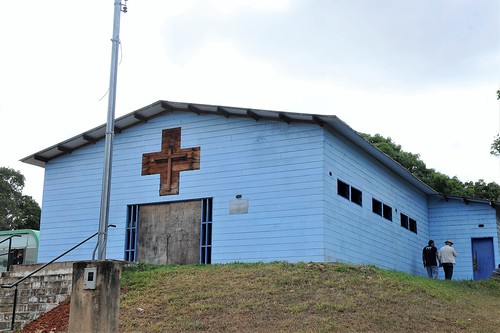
(54, 321)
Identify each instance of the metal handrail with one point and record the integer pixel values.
(15, 284)
(10, 247)
(10, 237)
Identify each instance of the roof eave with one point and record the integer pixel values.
(162, 107)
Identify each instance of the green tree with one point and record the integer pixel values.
(17, 211)
(411, 162)
(495, 146)
(481, 190)
(436, 180)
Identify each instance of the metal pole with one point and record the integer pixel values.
(110, 125)
(9, 255)
(13, 319)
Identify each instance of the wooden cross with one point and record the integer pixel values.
(170, 161)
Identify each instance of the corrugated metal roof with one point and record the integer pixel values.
(164, 107)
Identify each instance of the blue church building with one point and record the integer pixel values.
(194, 183)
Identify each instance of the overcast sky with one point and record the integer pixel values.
(422, 72)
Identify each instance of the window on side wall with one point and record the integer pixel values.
(404, 221)
(408, 223)
(376, 207)
(356, 196)
(350, 193)
(387, 211)
(342, 189)
(413, 225)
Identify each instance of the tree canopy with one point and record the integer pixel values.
(17, 211)
(495, 146)
(436, 180)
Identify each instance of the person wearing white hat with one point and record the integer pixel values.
(447, 256)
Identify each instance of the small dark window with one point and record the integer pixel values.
(413, 225)
(356, 196)
(387, 212)
(343, 189)
(404, 221)
(377, 207)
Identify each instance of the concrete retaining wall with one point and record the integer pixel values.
(36, 295)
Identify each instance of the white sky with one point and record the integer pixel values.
(422, 72)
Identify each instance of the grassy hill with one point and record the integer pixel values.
(282, 297)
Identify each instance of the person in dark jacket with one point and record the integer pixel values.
(18, 260)
(430, 259)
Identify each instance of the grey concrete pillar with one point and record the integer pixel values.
(95, 297)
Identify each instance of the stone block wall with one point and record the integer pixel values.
(36, 295)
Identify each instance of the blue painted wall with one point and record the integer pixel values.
(354, 233)
(277, 167)
(452, 219)
(287, 172)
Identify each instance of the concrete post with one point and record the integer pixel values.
(95, 297)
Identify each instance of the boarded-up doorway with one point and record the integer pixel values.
(169, 233)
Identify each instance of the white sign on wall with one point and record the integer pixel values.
(238, 207)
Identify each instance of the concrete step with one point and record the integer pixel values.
(5, 326)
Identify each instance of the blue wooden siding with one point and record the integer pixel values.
(357, 235)
(498, 234)
(276, 166)
(287, 172)
(455, 220)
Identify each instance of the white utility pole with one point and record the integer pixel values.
(110, 128)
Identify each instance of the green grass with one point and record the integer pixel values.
(282, 297)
